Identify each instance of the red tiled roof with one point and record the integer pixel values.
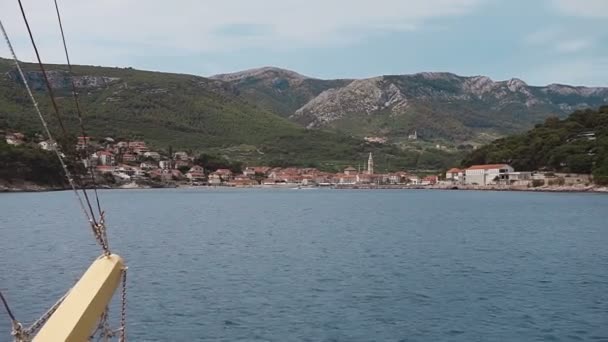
(454, 170)
(487, 166)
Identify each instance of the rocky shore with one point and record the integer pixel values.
(32, 187)
(24, 186)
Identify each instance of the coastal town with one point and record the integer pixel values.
(132, 164)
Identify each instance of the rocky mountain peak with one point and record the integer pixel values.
(516, 85)
(437, 75)
(264, 73)
(478, 85)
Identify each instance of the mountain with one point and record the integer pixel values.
(577, 144)
(438, 106)
(189, 112)
(276, 116)
(278, 90)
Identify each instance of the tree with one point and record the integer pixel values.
(579, 163)
(184, 169)
(600, 173)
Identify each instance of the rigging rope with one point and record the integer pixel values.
(44, 124)
(78, 109)
(18, 332)
(34, 327)
(52, 96)
(98, 228)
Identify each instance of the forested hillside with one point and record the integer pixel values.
(577, 144)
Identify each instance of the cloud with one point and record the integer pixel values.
(573, 45)
(111, 30)
(560, 40)
(582, 8)
(542, 37)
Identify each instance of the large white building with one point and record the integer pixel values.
(486, 174)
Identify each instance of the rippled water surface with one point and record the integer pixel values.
(325, 265)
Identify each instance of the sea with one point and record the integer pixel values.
(321, 264)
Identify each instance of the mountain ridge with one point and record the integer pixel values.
(396, 105)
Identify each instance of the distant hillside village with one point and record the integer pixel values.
(133, 161)
(124, 162)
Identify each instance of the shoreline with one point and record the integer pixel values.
(31, 187)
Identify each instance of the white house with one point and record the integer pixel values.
(196, 173)
(105, 158)
(148, 165)
(47, 145)
(153, 155)
(181, 156)
(453, 174)
(164, 164)
(487, 174)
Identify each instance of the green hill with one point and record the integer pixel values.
(577, 144)
(190, 112)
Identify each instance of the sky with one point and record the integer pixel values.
(538, 41)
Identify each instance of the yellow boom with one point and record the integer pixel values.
(80, 311)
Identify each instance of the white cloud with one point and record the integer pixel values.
(542, 36)
(560, 40)
(582, 8)
(573, 45)
(110, 30)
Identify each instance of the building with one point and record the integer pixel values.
(105, 169)
(164, 175)
(181, 156)
(15, 139)
(164, 164)
(413, 136)
(364, 179)
(453, 174)
(148, 165)
(225, 174)
(370, 164)
(105, 158)
(350, 171)
(181, 163)
(215, 179)
(83, 142)
(429, 180)
(138, 147)
(522, 178)
(486, 174)
(152, 155)
(47, 145)
(196, 174)
(414, 180)
(342, 178)
(129, 157)
(242, 180)
(252, 170)
(378, 140)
